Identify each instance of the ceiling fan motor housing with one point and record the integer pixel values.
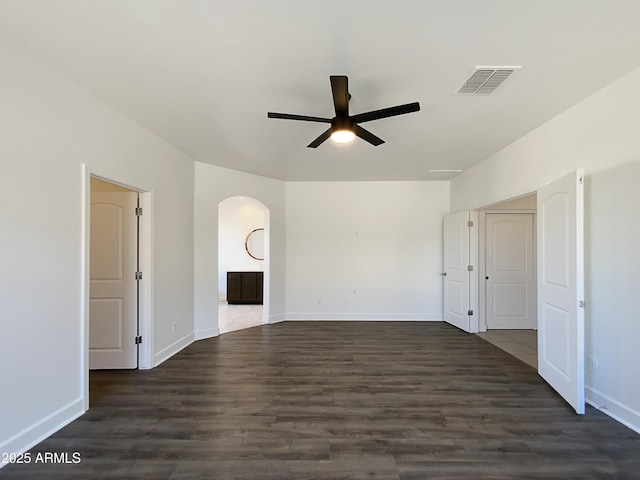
(342, 123)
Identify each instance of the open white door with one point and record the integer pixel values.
(113, 299)
(561, 287)
(460, 247)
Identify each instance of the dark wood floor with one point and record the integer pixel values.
(336, 400)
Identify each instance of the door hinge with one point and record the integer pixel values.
(470, 223)
(138, 275)
(138, 339)
(138, 211)
(469, 268)
(581, 304)
(469, 312)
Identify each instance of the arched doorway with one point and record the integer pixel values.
(243, 263)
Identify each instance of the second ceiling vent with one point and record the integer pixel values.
(485, 80)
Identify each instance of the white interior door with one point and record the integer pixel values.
(459, 271)
(509, 270)
(113, 291)
(561, 288)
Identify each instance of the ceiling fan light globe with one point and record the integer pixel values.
(343, 136)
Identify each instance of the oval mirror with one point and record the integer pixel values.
(254, 244)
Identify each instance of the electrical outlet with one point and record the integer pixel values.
(593, 364)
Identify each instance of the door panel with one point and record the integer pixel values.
(561, 288)
(509, 270)
(107, 323)
(556, 333)
(113, 292)
(458, 280)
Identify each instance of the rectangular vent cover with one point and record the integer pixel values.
(485, 80)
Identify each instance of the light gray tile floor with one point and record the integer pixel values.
(237, 317)
(522, 344)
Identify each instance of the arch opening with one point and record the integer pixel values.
(243, 279)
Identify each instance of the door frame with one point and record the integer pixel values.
(482, 270)
(145, 255)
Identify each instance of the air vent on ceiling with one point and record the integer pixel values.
(485, 80)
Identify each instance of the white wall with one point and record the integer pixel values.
(528, 202)
(49, 128)
(382, 240)
(213, 185)
(601, 135)
(237, 217)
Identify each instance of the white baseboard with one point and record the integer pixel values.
(206, 333)
(168, 352)
(280, 317)
(36, 433)
(366, 317)
(616, 410)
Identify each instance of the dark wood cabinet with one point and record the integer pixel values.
(244, 287)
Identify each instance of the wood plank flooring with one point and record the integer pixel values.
(336, 400)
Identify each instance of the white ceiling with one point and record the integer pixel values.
(202, 74)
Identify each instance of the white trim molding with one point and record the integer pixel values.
(44, 428)
(616, 410)
(169, 351)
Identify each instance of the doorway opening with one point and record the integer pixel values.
(559, 293)
(507, 271)
(243, 264)
(117, 324)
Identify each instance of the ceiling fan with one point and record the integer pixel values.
(345, 127)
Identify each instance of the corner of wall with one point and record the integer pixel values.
(168, 352)
(607, 405)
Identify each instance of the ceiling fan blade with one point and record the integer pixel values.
(320, 139)
(290, 116)
(367, 136)
(340, 90)
(386, 112)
